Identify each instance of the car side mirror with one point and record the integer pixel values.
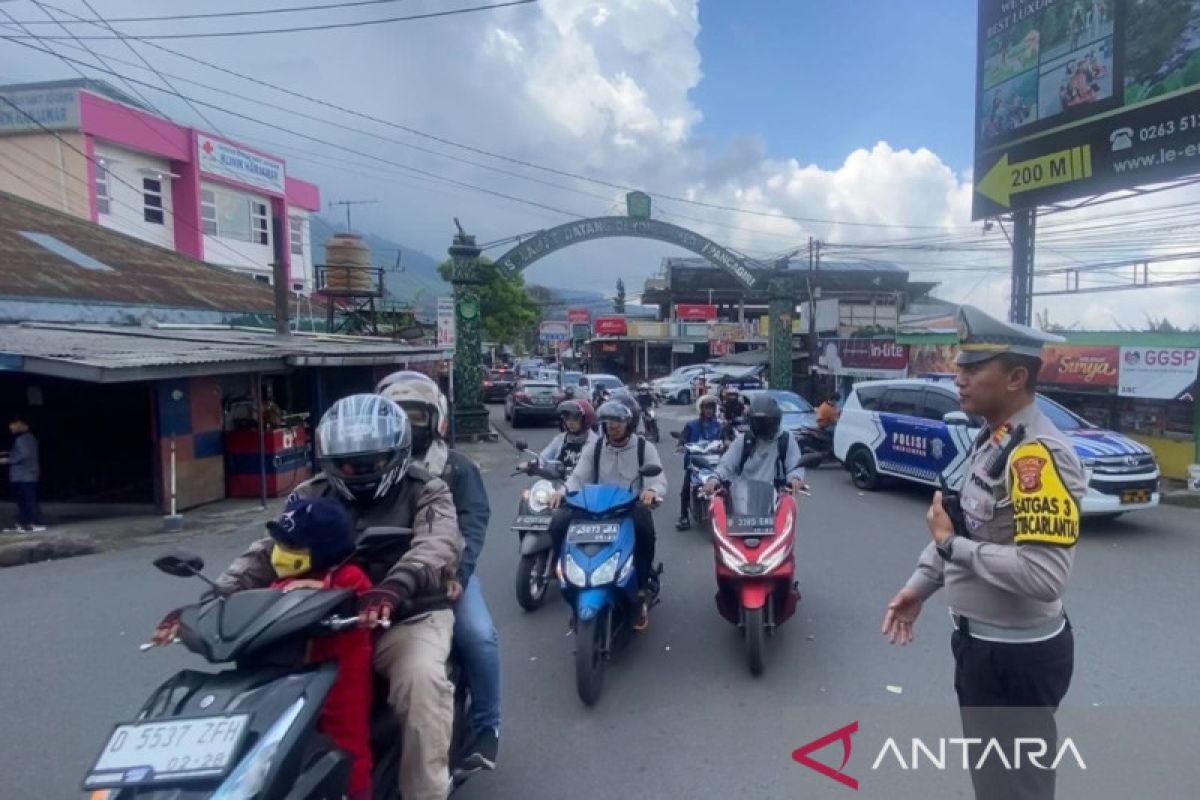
(956, 418)
(180, 563)
(650, 471)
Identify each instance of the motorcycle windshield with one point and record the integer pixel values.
(752, 498)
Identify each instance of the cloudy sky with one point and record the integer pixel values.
(849, 122)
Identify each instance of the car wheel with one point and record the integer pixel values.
(862, 469)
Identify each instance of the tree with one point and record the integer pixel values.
(509, 314)
(619, 300)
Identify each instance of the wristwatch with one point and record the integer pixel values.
(946, 548)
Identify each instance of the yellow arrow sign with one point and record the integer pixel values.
(1004, 179)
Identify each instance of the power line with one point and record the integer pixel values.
(303, 28)
(222, 14)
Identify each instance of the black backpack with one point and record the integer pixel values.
(748, 445)
(600, 443)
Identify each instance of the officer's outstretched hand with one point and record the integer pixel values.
(901, 614)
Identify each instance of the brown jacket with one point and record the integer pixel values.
(419, 501)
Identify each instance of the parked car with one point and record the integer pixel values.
(914, 429)
(798, 413)
(532, 400)
(742, 379)
(497, 384)
(677, 387)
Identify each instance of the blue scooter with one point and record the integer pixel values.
(598, 579)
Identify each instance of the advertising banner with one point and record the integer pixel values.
(610, 326)
(579, 315)
(1081, 97)
(446, 326)
(239, 165)
(695, 312)
(1080, 365)
(1160, 373)
(932, 359)
(56, 109)
(865, 358)
(730, 331)
(554, 331)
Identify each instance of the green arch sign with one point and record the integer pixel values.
(548, 241)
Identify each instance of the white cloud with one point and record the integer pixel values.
(601, 88)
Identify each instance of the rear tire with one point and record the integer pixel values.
(862, 470)
(755, 640)
(699, 513)
(532, 581)
(589, 658)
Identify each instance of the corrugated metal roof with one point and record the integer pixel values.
(142, 273)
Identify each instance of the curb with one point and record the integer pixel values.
(33, 548)
(1183, 499)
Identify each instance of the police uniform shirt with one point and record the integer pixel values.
(1023, 525)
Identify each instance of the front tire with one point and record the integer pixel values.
(862, 470)
(756, 635)
(589, 658)
(532, 581)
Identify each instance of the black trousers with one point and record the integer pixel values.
(1008, 691)
(29, 513)
(643, 534)
(685, 493)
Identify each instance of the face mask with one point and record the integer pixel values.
(422, 441)
(289, 563)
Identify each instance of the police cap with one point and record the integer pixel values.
(981, 337)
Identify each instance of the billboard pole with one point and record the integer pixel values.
(1024, 226)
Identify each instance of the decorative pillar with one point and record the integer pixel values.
(781, 310)
(466, 276)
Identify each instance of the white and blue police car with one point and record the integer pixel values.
(914, 429)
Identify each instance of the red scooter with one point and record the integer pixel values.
(754, 530)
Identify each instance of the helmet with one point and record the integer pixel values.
(765, 416)
(705, 400)
(615, 411)
(364, 443)
(414, 389)
(578, 408)
(625, 397)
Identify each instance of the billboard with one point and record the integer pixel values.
(1162, 373)
(1080, 365)
(555, 331)
(695, 312)
(579, 315)
(864, 358)
(610, 325)
(1081, 97)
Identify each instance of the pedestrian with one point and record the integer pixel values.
(1003, 549)
(24, 472)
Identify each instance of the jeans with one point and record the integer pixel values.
(29, 513)
(479, 649)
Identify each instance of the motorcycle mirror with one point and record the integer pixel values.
(180, 563)
(956, 418)
(650, 471)
(521, 445)
(675, 434)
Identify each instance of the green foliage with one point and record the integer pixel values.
(619, 300)
(508, 313)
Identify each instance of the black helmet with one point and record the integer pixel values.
(364, 443)
(765, 416)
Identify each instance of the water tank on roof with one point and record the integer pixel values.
(348, 264)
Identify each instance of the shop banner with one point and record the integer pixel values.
(932, 359)
(695, 312)
(579, 315)
(718, 348)
(865, 358)
(730, 331)
(555, 331)
(1080, 365)
(610, 326)
(1158, 373)
(446, 325)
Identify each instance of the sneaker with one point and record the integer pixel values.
(683, 524)
(483, 752)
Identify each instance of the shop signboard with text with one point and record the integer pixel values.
(554, 331)
(611, 325)
(864, 358)
(224, 160)
(1080, 365)
(695, 312)
(579, 316)
(1160, 373)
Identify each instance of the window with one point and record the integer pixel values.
(296, 234)
(869, 397)
(208, 211)
(939, 404)
(1063, 420)
(103, 199)
(152, 201)
(259, 223)
(263, 278)
(298, 286)
(902, 401)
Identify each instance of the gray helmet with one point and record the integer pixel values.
(765, 416)
(615, 411)
(364, 443)
(625, 397)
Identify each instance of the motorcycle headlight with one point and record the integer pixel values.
(573, 572)
(539, 496)
(626, 568)
(606, 572)
(248, 778)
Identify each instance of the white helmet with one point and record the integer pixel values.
(364, 443)
(409, 388)
(703, 400)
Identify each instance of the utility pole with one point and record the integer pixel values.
(1024, 229)
(814, 263)
(347, 204)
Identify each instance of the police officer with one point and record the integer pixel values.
(1003, 548)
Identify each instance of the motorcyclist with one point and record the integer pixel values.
(616, 460)
(828, 412)
(764, 453)
(475, 635)
(733, 411)
(364, 448)
(578, 420)
(705, 428)
(645, 396)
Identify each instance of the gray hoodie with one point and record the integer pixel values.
(618, 467)
(761, 465)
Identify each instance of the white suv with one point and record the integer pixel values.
(914, 429)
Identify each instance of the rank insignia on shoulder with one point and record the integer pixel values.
(1044, 511)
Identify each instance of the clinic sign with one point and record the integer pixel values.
(1082, 97)
(1160, 373)
(232, 163)
(56, 109)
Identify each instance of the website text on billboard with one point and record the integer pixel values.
(1081, 97)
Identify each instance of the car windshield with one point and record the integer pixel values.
(1063, 419)
(605, 381)
(792, 403)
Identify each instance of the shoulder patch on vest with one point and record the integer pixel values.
(1044, 511)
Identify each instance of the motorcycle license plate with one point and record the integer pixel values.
(140, 753)
(750, 526)
(531, 522)
(593, 532)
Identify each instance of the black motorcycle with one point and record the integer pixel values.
(816, 446)
(535, 567)
(250, 731)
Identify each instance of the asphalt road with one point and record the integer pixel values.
(680, 713)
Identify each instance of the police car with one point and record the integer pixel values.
(914, 429)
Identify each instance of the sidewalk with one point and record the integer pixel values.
(115, 533)
(1175, 493)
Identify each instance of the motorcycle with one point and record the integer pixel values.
(753, 541)
(647, 402)
(250, 731)
(598, 579)
(816, 446)
(702, 458)
(535, 567)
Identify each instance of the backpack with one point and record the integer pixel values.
(780, 460)
(600, 443)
